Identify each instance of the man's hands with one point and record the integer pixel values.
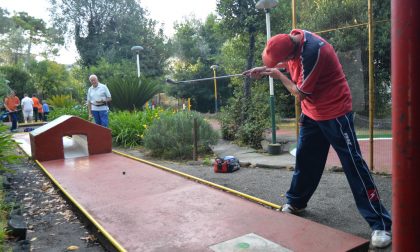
(259, 72)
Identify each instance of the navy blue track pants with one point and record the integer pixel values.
(314, 141)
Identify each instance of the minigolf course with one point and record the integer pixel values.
(141, 206)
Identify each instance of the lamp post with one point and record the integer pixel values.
(266, 5)
(214, 67)
(137, 50)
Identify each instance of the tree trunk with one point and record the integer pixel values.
(247, 82)
(28, 55)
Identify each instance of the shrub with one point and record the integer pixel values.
(129, 93)
(249, 129)
(7, 148)
(229, 120)
(5, 209)
(128, 127)
(171, 136)
(78, 110)
(61, 101)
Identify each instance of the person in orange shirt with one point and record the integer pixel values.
(11, 103)
(36, 107)
(40, 112)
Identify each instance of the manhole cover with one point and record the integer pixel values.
(249, 242)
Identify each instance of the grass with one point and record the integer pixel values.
(361, 132)
(377, 133)
(3, 220)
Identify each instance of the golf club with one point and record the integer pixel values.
(170, 81)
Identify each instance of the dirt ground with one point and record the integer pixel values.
(52, 224)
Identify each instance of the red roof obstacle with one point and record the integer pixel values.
(47, 140)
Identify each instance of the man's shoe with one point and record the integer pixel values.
(381, 238)
(287, 208)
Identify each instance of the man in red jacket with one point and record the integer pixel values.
(318, 82)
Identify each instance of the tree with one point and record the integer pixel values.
(5, 22)
(35, 28)
(240, 17)
(49, 78)
(188, 43)
(196, 48)
(21, 32)
(19, 79)
(108, 29)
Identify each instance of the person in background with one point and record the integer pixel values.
(11, 103)
(98, 96)
(46, 110)
(317, 80)
(40, 112)
(27, 108)
(36, 107)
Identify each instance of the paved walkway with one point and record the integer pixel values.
(260, 158)
(251, 157)
(141, 208)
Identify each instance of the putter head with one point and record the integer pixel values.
(171, 81)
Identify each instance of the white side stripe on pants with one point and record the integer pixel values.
(355, 166)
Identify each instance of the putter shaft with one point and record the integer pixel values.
(205, 79)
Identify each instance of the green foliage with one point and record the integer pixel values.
(171, 136)
(128, 127)
(77, 110)
(128, 93)
(201, 93)
(4, 88)
(61, 101)
(49, 77)
(189, 45)
(7, 148)
(21, 33)
(5, 209)
(5, 21)
(249, 131)
(106, 70)
(241, 18)
(229, 117)
(197, 46)
(108, 29)
(19, 79)
(131, 93)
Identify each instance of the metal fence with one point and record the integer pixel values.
(360, 32)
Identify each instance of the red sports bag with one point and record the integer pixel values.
(226, 165)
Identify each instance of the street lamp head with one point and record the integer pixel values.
(136, 49)
(214, 67)
(266, 4)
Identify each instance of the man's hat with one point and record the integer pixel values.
(277, 49)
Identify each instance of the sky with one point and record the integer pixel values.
(164, 11)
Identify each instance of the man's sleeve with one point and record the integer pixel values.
(107, 93)
(311, 70)
(87, 95)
